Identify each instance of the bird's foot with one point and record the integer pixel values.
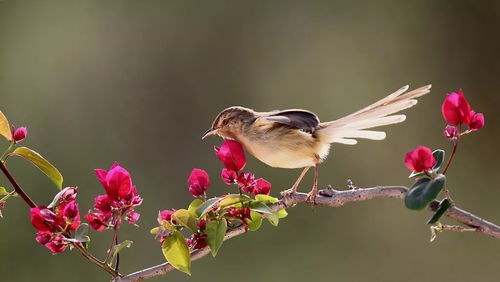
(351, 185)
(311, 197)
(288, 192)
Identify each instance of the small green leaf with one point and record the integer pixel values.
(439, 156)
(186, 219)
(194, 205)
(81, 233)
(232, 199)
(282, 213)
(215, 231)
(423, 191)
(266, 199)
(444, 205)
(273, 218)
(417, 174)
(256, 222)
(119, 247)
(41, 163)
(3, 191)
(5, 130)
(260, 207)
(206, 206)
(176, 252)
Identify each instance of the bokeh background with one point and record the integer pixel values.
(139, 82)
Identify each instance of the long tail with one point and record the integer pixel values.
(343, 130)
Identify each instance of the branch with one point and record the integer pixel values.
(334, 198)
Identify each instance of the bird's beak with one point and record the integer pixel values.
(209, 132)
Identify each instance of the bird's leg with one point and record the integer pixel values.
(296, 184)
(311, 196)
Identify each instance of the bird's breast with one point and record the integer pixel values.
(285, 147)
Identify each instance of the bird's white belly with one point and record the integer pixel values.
(275, 155)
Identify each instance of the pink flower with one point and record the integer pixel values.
(96, 220)
(198, 182)
(166, 215)
(71, 215)
(262, 187)
(132, 217)
(243, 214)
(68, 195)
(57, 245)
(202, 224)
(456, 109)
(197, 241)
(476, 121)
(231, 154)
(451, 132)
(117, 181)
(45, 220)
(420, 159)
(229, 176)
(19, 134)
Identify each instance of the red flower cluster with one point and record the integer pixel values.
(120, 199)
(19, 134)
(456, 111)
(198, 239)
(198, 182)
(54, 222)
(242, 214)
(233, 157)
(420, 159)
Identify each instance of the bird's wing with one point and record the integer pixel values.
(300, 119)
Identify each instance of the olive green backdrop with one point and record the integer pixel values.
(139, 82)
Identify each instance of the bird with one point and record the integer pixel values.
(295, 138)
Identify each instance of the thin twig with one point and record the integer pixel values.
(334, 198)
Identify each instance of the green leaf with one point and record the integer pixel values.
(194, 205)
(186, 219)
(176, 252)
(215, 231)
(256, 222)
(266, 199)
(423, 191)
(260, 207)
(41, 163)
(273, 218)
(282, 213)
(444, 205)
(5, 130)
(232, 199)
(3, 191)
(439, 156)
(206, 206)
(119, 247)
(417, 174)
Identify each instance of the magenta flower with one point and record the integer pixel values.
(476, 121)
(451, 132)
(420, 159)
(456, 109)
(198, 182)
(262, 187)
(229, 176)
(231, 154)
(19, 134)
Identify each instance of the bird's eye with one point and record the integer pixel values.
(225, 122)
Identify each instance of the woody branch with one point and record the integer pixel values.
(335, 198)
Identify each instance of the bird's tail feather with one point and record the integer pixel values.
(343, 130)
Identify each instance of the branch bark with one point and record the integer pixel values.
(334, 198)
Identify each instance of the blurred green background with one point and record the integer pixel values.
(139, 81)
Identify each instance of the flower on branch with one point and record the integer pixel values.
(54, 221)
(476, 121)
(19, 134)
(231, 154)
(420, 159)
(451, 132)
(120, 200)
(198, 182)
(456, 111)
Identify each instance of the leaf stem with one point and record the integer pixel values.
(17, 188)
(2, 158)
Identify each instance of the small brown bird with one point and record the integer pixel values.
(295, 138)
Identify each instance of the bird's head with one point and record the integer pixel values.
(230, 121)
